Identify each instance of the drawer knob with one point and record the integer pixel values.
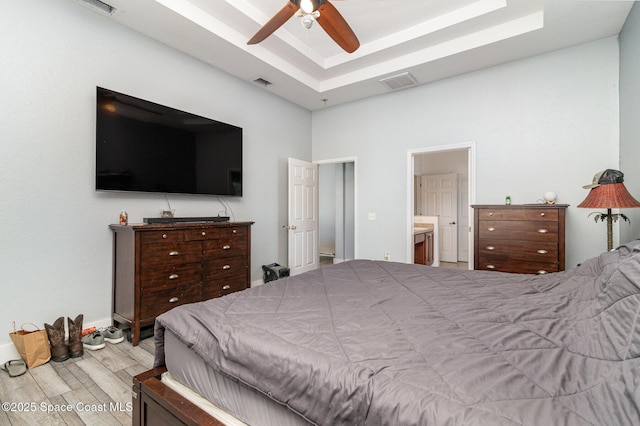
(491, 229)
(164, 236)
(491, 248)
(173, 300)
(542, 214)
(226, 247)
(174, 253)
(204, 233)
(542, 272)
(543, 231)
(225, 267)
(490, 213)
(234, 231)
(226, 287)
(491, 266)
(173, 276)
(543, 251)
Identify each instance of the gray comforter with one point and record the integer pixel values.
(382, 343)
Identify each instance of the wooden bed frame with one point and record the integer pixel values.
(154, 403)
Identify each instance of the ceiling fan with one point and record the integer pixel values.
(319, 10)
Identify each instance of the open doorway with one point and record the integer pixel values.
(337, 206)
(442, 189)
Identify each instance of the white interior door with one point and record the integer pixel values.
(440, 198)
(303, 216)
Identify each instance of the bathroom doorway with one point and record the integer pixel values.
(442, 189)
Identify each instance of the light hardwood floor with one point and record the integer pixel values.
(94, 389)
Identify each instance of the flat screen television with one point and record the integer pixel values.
(142, 146)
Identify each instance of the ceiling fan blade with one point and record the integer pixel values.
(275, 22)
(337, 28)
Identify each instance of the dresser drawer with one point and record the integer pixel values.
(167, 277)
(508, 265)
(512, 230)
(214, 233)
(156, 237)
(154, 255)
(217, 269)
(224, 286)
(527, 251)
(514, 213)
(201, 234)
(225, 247)
(154, 304)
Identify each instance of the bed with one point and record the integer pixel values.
(382, 343)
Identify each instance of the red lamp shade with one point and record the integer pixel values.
(609, 196)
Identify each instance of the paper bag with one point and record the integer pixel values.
(33, 346)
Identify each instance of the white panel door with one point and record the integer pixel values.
(303, 216)
(441, 198)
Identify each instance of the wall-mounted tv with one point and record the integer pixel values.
(142, 146)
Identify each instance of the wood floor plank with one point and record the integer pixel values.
(4, 419)
(139, 353)
(66, 375)
(117, 390)
(49, 380)
(20, 389)
(112, 358)
(71, 417)
(98, 381)
(36, 414)
(90, 409)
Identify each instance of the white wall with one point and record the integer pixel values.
(56, 249)
(629, 118)
(544, 123)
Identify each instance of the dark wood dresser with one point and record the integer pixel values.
(157, 267)
(527, 239)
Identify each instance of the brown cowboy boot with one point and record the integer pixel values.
(59, 350)
(75, 337)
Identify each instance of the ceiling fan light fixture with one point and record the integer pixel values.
(307, 21)
(307, 6)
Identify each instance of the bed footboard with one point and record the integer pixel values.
(154, 403)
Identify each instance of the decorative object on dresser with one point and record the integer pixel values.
(527, 238)
(607, 191)
(157, 267)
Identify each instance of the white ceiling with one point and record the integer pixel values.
(430, 39)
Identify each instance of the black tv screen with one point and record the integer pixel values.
(142, 146)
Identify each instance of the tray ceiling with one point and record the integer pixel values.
(402, 42)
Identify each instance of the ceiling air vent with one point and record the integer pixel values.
(100, 5)
(262, 81)
(400, 81)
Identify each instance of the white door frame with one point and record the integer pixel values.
(471, 165)
(353, 160)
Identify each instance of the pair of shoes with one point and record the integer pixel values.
(112, 334)
(15, 367)
(93, 341)
(61, 350)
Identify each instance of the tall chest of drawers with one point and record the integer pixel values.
(526, 239)
(158, 267)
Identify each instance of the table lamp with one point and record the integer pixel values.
(607, 191)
